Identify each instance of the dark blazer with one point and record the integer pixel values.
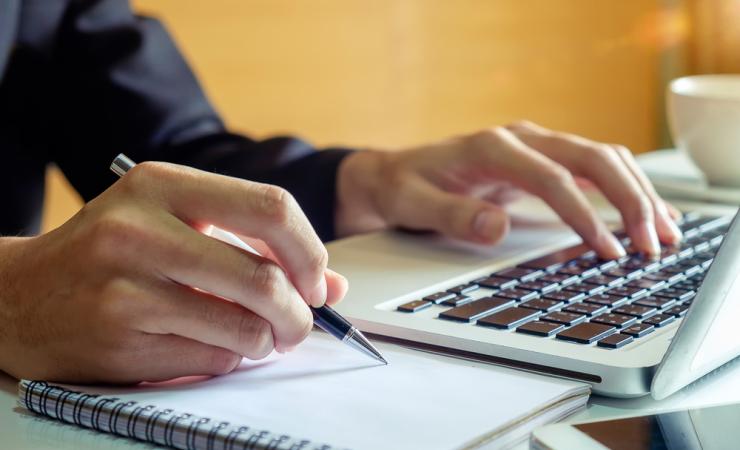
(83, 80)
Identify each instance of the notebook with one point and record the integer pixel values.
(323, 395)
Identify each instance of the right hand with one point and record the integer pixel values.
(129, 289)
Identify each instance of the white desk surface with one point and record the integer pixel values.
(20, 430)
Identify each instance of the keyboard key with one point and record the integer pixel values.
(518, 294)
(554, 261)
(664, 276)
(542, 304)
(642, 263)
(439, 297)
(622, 272)
(416, 305)
(672, 270)
(590, 309)
(638, 311)
(497, 283)
(544, 329)
(676, 293)
(604, 280)
(561, 278)
(669, 255)
(656, 302)
(565, 296)
(628, 291)
(477, 309)
(607, 300)
(690, 271)
(538, 285)
(617, 320)
(586, 333)
(564, 317)
(519, 273)
(464, 288)
(458, 300)
(660, 320)
(574, 269)
(639, 329)
(644, 283)
(616, 340)
(678, 311)
(588, 289)
(509, 318)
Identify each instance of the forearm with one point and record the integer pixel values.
(307, 173)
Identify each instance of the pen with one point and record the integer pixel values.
(324, 317)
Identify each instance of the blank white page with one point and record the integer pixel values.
(327, 392)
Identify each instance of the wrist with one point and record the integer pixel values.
(10, 250)
(358, 192)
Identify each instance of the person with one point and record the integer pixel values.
(129, 289)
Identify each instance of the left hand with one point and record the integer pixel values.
(458, 187)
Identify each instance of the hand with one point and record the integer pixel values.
(129, 290)
(457, 187)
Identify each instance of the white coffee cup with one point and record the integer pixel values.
(704, 116)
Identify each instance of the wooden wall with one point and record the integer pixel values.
(390, 73)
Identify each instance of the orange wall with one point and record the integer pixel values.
(393, 73)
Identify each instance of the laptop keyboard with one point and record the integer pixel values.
(574, 296)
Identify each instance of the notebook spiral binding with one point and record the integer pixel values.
(148, 423)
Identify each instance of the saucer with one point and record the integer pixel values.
(675, 176)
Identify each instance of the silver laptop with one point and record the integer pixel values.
(541, 302)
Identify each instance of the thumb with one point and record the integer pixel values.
(425, 206)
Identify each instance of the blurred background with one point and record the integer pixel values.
(393, 73)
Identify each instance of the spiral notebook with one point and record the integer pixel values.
(323, 396)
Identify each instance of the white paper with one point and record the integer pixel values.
(327, 392)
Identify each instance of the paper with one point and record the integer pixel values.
(327, 392)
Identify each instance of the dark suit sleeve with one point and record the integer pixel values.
(124, 87)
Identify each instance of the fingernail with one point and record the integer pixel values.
(616, 247)
(336, 274)
(676, 232)
(318, 296)
(649, 236)
(486, 224)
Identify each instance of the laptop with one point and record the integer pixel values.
(541, 301)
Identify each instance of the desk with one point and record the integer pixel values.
(20, 430)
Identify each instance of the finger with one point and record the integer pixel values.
(665, 214)
(541, 176)
(421, 205)
(337, 286)
(164, 357)
(253, 209)
(199, 316)
(602, 165)
(258, 284)
(675, 213)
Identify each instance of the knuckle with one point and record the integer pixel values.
(147, 171)
(114, 231)
(622, 151)
(255, 336)
(267, 279)
(302, 326)
(557, 177)
(277, 204)
(643, 207)
(223, 361)
(482, 142)
(116, 305)
(605, 153)
(523, 124)
(319, 260)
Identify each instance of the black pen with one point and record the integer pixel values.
(324, 317)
